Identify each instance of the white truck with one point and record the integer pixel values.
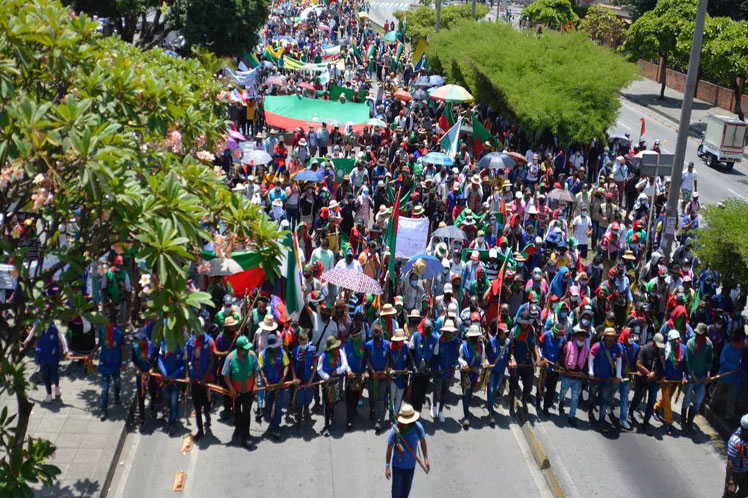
(723, 142)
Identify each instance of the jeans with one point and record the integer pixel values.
(397, 394)
(172, 395)
(605, 397)
(402, 480)
(494, 384)
(650, 389)
(441, 388)
(106, 381)
(50, 375)
(694, 394)
(242, 414)
(576, 389)
(623, 392)
(595, 233)
(275, 400)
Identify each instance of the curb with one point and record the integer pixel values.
(540, 455)
(115, 459)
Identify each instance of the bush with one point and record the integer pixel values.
(559, 83)
(421, 20)
(555, 14)
(722, 243)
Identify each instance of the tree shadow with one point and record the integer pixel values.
(78, 489)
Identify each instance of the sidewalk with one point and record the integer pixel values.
(646, 92)
(86, 447)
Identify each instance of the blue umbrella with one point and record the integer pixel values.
(433, 265)
(307, 175)
(438, 158)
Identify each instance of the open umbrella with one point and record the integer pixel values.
(306, 85)
(420, 94)
(431, 266)
(390, 36)
(377, 122)
(438, 158)
(449, 232)
(256, 156)
(352, 280)
(436, 79)
(221, 267)
(517, 157)
(561, 195)
(451, 93)
(307, 175)
(323, 27)
(496, 160)
(236, 135)
(403, 95)
(276, 80)
(423, 82)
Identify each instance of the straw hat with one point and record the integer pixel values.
(388, 310)
(302, 142)
(230, 321)
(332, 343)
(407, 414)
(418, 210)
(398, 336)
(473, 331)
(419, 267)
(268, 323)
(659, 340)
(414, 313)
(629, 255)
(449, 326)
(475, 180)
(277, 203)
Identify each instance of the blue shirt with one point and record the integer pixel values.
(376, 353)
(399, 361)
(551, 346)
(356, 363)
(674, 370)
(171, 363)
(48, 347)
(110, 357)
(601, 366)
(446, 360)
(142, 355)
(423, 347)
(303, 362)
(730, 359)
(199, 366)
(498, 354)
(402, 458)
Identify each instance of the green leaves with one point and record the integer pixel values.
(722, 242)
(163, 250)
(421, 19)
(555, 14)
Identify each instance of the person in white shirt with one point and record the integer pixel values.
(689, 184)
(581, 228)
(349, 263)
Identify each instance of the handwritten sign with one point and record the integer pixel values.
(412, 234)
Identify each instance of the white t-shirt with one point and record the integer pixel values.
(580, 226)
(688, 181)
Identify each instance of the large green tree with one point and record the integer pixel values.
(554, 14)
(558, 83)
(102, 146)
(724, 57)
(655, 35)
(604, 26)
(722, 243)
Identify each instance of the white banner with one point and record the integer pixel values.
(412, 234)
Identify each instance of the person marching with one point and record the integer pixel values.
(447, 354)
(355, 353)
(549, 352)
(111, 356)
(574, 360)
(699, 358)
(629, 341)
(51, 347)
(303, 357)
(143, 354)
(224, 346)
(472, 358)
(522, 360)
(736, 472)
(201, 359)
(240, 372)
(401, 457)
(171, 366)
(377, 359)
(605, 363)
(274, 367)
(422, 345)
(497, 355)
(400, 362)
(674, 370)
(331, 365)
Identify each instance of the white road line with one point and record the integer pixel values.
(190, 472)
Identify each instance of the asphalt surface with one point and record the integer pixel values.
(485, 461)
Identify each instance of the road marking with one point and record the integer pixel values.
(532, 466)
(736, 194)
(191, 466)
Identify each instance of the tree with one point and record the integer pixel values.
(559, 83)
(655, 34)
(603, 26)
(722, 243)
(639, 7)
(103, 148)
(143, 22)
(554, 14)
(421, 20)
(725, 55)
(736, 9)
(225, 27)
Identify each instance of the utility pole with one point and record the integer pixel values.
(671, 219)
(438, 14)
(473, 11)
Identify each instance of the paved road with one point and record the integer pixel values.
(714, 184)
(344, 465)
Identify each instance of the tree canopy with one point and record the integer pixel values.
(724, 56)
(104, 149)
(555, 14)
(722, 243)
(421, 20)
(604, 26)
(560, 83)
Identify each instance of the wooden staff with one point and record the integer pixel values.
(87, 360)
(213, 387)
(401, 439)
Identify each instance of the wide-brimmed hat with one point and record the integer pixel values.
(475, 179)
(398, 336)
(333, 204)
(277, 203)
(449, 326)
(414, 313)
(578, 329)
(418, 210)
(673, 335)
(302, 142)
(700, 329)
(388, 310)
(659, 340)
(268, 323)
(629, 255)
(407, 414)
(332, 343)
(473, 331)
(448, 288)
(273, 341)
(242, 342)
(230, 321)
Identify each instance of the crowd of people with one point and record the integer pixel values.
(550, 290)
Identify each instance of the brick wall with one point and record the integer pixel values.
(708, 92)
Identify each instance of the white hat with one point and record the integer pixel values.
(744, 421)
(268, 323)
(493, 253)
(449, 326)
(448, 288)
(277, 203)
(473, 331)
(407, 414)
(673, 335)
